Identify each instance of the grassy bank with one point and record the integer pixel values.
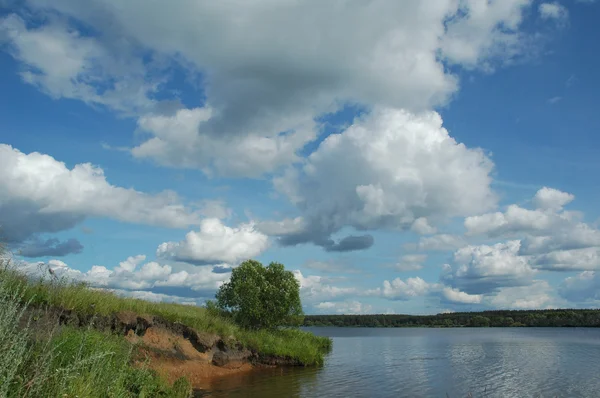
(306, 347)
(69, 362)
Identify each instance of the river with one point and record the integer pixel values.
(419, 362)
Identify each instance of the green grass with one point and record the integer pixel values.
(303, 346)
(69, 363)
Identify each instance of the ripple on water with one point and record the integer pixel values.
(432, 363)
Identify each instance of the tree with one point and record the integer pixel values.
(262, 297)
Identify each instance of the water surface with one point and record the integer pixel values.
(418, 362)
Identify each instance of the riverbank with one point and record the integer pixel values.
(135, 345)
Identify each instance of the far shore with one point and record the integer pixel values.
(499, 318)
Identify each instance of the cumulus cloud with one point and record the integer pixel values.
(388, 170)
(398, 289)
(516, 220)
(548, 219)
(276, 67)
(456, 296)
(40, 194)
(552, 199)
(344, 307)
(569, 237)
(312, 62)
(178, 140)
(422, 227)
(550, 237)
(483, 268)
(569, 260)
(215, 243)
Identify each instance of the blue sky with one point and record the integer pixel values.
(397, 157)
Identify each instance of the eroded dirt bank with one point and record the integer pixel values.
(172, 349)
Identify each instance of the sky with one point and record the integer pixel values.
(398, 156)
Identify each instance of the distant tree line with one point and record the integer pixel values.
(502, 318)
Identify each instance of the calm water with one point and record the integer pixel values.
(495, 362)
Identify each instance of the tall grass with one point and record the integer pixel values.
(303, 346)
(69, 363)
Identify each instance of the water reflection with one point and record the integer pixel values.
(435, 362)
(279, 382)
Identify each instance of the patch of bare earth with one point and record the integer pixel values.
(173, 356)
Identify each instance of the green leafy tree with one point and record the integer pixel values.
(262, 297)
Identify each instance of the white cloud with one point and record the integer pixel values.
(344, 307)
(554, 11)
(569, 260)
(551, 238)
(215, 243)
(315, 289)
(40, 194)
(411, 262)
(276, 67)
(476, 38)
(298, 56)
(547, 219)
(422, 227)
(572, 236)
(131, 263)
(583, 288)
(65, 64)
(482, 269)
(178, 140)
(552, 199)
(398, 289)
(516, 220)
(388, 170)
(456, 296)
(537, 295)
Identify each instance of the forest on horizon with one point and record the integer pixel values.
(497, 318)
